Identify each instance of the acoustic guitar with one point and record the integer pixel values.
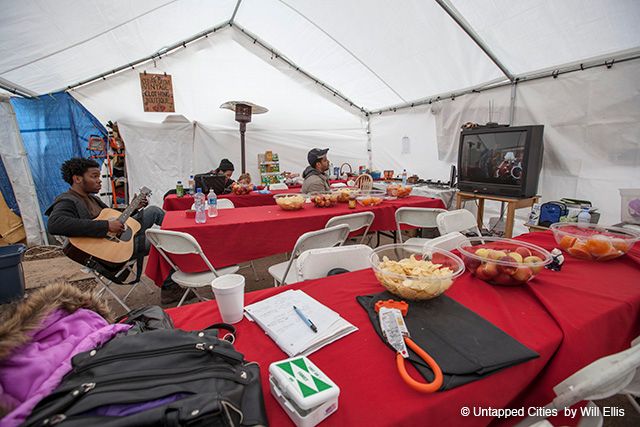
(112, 251)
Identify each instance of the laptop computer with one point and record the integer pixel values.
(208, 181)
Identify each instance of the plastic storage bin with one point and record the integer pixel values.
(630, 208)
(11, 273)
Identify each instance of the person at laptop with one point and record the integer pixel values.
(225, 169)
(315, 179)
(72, 212)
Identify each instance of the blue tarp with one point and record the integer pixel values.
(54, 128)
(7, 190)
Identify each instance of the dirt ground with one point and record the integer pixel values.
(43, 266)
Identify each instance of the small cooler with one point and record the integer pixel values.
(11, 273)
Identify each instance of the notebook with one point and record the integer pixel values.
(281, 322)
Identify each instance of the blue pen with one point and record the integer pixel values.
(306, 319)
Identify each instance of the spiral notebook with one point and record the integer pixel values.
(280, 321)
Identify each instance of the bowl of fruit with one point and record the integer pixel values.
(399, 191)
(370, 198)
(415, 272)
(289, 201)
(344, 193)
(241, 189)
(503, 262)
(593, 242)
(324, 200)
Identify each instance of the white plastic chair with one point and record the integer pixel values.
(287, 272)
(278, 186)
(608, 376)
(356, 221)
(364, 182)
(222, 204)
(448, 242)
(416, 217)
(316, 263)
(175, 242)
(458, 220)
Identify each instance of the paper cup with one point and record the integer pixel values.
(229, 292)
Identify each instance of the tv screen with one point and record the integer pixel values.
(494, 158)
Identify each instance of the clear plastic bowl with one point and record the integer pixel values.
(414, 286)
(371, 198)
(324, 199)
(592, 241)
(290, 201)
(343, 193)
(241, 189)
(398, 190)
(491, 259)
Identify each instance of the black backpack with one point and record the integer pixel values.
(164, 377)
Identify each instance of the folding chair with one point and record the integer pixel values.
(460, 220)
(364, 182)
(278, 186)
(448, 242)
(356, 221)
(417, 217)
(287, 272)
(174, 242)
(608, 376)
(316, 263)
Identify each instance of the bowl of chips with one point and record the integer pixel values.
(414, 272)
(371, 198)
(290, 201)
(593, 242)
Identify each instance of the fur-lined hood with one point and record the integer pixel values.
(20, 319)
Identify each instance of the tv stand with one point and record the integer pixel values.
(513, 203)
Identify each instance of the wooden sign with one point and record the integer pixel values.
(157, 93)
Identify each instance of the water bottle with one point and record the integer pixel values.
(404, 177)
(584, 216)
(199, 207)
(192, 184)
(179, 189)
(212, 203)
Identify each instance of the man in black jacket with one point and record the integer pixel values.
(72, 213)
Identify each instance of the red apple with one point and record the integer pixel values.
(524, 252)
(503, 279)
(480, 274)
(507, 269)
(471, 263)
(532, 260)
(523, 274)
(491, 269)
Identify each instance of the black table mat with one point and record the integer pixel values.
(465, 346)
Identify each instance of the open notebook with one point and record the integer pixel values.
(279, 320)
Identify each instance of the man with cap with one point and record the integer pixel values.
(315, 179)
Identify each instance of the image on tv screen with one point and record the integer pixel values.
(493, 158)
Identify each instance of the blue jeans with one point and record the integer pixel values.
(147, 217)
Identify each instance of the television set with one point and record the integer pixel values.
(501, 161)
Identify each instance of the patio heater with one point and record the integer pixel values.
(243, 112)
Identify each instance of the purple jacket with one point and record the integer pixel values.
(36, 368)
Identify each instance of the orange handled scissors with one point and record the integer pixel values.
(395, 331)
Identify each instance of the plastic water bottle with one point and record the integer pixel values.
(584, 216)
(212, 204)
(404, 177)
(192, 185)
(199, 207)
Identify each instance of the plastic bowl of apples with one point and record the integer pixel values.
(399, 191)
(241, 189)
(593, 242)
(324, 200)
(504, 262)
(343, 194)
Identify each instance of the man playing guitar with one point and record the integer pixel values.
(72, 213)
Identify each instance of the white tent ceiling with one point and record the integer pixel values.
(376, 52)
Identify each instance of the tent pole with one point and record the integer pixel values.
(466, 27)
(9, 86)
(369, 148)
(512, 103)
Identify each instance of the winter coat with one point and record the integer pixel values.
(69, 216)
(38, 338)
(314, 181)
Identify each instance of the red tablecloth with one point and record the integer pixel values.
(238, 235)
(570, 318)
(175, 203)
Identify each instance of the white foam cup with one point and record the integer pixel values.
(229, 293)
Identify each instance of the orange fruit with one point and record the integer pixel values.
(580, 250)
(613, 253)
(567, 241)
(621, 245)
(598, 246)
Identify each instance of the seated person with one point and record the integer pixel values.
(315, 179)
(72, 213)
(245, 179)
(225, 169)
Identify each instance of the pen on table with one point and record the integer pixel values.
(306, 319)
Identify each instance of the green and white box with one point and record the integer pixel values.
(306, 394)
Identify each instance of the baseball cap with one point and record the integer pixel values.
(316, 154)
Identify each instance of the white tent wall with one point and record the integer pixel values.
(591, 135)
(16, 164)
